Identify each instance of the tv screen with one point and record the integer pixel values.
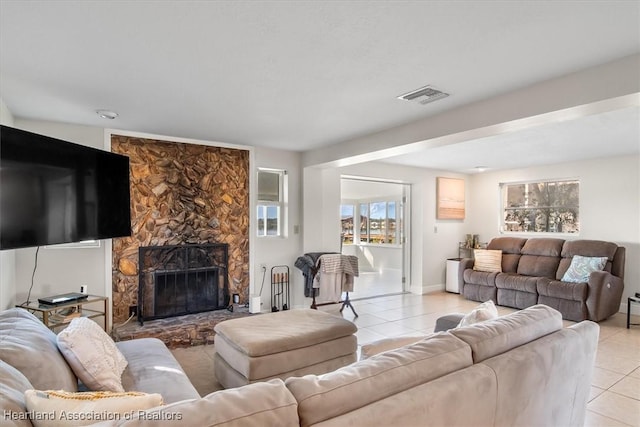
(53, 191)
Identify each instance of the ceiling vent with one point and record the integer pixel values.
(424, 95)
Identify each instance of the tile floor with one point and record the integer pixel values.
(372, 284)
(615, 391)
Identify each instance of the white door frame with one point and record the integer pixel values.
(405, 231)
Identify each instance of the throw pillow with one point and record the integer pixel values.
(581, 267)
(488, 260)
(485, 311)
(92, 355)
(61, 408)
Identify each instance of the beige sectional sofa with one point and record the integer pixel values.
(30, 359)
(532, 272)
(520, 369)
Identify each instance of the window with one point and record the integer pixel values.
(347, 221)
(376, 222)
(541, 207)
(391, 235)
(364, 223)
(270, 205)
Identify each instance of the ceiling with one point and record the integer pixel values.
(609, 134)
(307, 74)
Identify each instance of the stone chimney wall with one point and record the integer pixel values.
(182, 194)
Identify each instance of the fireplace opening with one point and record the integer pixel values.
(183, 279)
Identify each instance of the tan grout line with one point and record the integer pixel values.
(609, 418)
(622, 395)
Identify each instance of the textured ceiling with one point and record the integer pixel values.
(291, 75)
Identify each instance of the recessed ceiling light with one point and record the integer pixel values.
(106, 114)
(480, 168)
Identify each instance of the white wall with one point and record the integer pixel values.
(609, 204)
(273, 251)
(321, 210)
(7, 257)
(61, 270)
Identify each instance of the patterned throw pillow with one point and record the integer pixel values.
(581, 268)
(487, 260)
(92, 355)
(485, 311)
(62, 408)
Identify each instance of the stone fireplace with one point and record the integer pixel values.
(182, 279)
(183, 194)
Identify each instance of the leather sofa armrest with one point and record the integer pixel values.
(465, 263)
(605, 294)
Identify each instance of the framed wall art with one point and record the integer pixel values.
(449, 198)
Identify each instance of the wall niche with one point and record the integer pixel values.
(182, 194)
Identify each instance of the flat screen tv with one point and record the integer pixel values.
(53, 191)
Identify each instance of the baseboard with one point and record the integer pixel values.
(430, 289)
(635, 308)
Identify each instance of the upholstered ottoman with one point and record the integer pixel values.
(281, 345)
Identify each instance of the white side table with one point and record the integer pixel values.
(451, 282)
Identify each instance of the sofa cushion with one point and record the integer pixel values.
(493, 337)
(540, 257)
(92, 355)
(581, 268)
(517, 282)
(26, 343)
(282, 331)
(487, 260)
(590, 248)
(152, 368)
(543, 247)
(330, 395)
(13, 408)
(84, 408)
(482, 278)
(510, 247)
(563, 290)
(259, 404)
(462, 398)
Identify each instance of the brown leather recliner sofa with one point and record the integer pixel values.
(532, 270)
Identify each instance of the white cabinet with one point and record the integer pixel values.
(451, 282)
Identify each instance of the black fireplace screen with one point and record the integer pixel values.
(183, 279)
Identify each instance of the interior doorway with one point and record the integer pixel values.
(374, 227)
